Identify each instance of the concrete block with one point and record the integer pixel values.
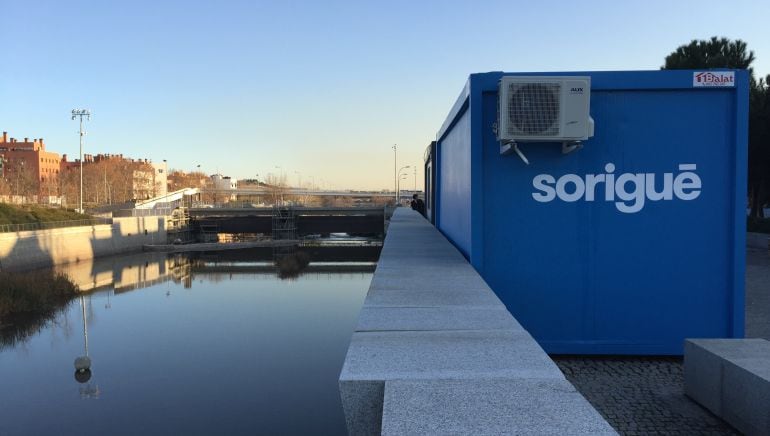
(488, 407)
(427, 279)
(703, 376)
(734, 349)
(374, 318)
(446, 354)
(746, 395)
(374, 357)
(418, 261)
(422, 260)
(362, 405)
(731, 377)
(435, 297)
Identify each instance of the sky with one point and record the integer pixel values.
(318, 91)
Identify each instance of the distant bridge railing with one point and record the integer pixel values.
(9, 228)
(161, 211)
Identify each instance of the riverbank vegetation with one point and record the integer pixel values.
(24, 214)
(29, 300)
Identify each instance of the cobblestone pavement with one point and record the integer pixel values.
(641, 395)
(757, 293)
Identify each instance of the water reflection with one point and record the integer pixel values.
(210, 345)
(141, 270)
(119, 274)
(83, 363)
(128, 272)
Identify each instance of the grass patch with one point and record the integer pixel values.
(13, 214)
(758, 225)
(29, 300)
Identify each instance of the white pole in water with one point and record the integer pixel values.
(83, 363)
(85, 323)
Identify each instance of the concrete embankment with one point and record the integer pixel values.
(41, 248)
(436, 352)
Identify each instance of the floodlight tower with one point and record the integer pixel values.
(398, 184)
(80, 113)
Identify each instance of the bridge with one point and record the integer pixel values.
(308, 220)
(309, 192)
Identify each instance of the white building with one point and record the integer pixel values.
(224, 183)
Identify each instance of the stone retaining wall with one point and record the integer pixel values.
(41, 248)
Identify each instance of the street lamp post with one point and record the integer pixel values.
(395, 175)
(80, 113)
(398, 184)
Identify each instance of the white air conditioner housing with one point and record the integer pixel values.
(544, 109)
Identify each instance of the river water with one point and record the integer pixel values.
(187, 346)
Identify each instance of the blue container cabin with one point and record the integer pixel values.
(592, 270)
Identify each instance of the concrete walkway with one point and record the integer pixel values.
(436, 352)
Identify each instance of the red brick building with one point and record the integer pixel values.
(30, 160)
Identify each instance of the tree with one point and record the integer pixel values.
(724, 53)
(713, 53)
(23, 180)
(109, 180)
(759, 146)
(178, 179)
(277, 188)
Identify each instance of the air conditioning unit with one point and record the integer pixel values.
(544, 109)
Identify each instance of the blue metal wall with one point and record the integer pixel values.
(583, 276)
(455, 186)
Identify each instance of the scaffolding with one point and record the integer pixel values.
(284, 229)
(208, 232)
(178, 228)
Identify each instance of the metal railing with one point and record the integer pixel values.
(123, 213)
(8, 228)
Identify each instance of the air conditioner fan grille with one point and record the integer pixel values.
(534, 109)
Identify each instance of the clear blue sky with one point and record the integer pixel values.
(323, 88)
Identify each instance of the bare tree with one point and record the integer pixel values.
(277, 187)
(178, 179)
